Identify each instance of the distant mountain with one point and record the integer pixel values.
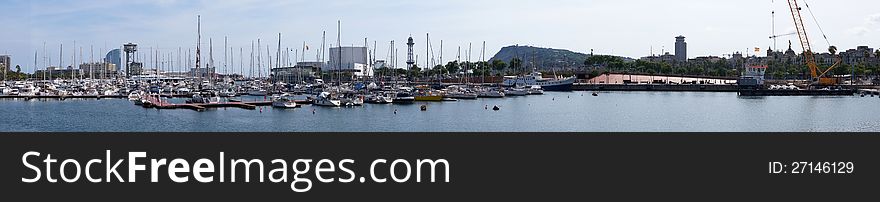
(542, 57)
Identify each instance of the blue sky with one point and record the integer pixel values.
(620, 27)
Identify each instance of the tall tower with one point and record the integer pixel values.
(129, 49)
(680, 49)
(410, 61)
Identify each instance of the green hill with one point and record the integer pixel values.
(541, 57)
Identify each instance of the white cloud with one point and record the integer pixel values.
(871, 24)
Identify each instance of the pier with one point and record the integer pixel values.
(654, 87)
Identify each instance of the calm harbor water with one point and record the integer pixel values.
(552, 112)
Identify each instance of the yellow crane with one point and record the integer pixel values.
(818, 79)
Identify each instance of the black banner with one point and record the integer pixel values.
(465, 167)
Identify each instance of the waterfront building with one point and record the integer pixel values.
(99, 70)
(665, 58)
(861, 54)
(135, 68)
(6, 62)
(115, 57)
(204, 72)
(350, 59)
(301, 71)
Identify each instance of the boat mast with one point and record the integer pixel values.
(277, 54)
(251, 72)
(241, 60)
(441, 63)
(259, 60)
(484, 62)
(339, 45)
(468, 64)
(198, 54)
(60, 60)
(269, 60)
(225, 54)
(91, 61)
(323, 41)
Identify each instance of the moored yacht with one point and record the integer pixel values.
(490, 93)
(325, 99)
(516, 92)
(404, 98)
(284, 102)
(536, 90)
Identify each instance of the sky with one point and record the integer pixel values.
(631, 28)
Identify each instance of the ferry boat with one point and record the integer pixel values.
(536, 78)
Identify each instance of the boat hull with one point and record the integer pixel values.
(429, 98)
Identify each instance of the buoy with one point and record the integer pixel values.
(496, 108)
(595, 94)
(424, 107)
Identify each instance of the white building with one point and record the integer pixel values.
(353, 59)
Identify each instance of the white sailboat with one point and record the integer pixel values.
(324, 99)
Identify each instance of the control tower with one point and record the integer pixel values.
(680, 49)
(130, 49)
(410, 60)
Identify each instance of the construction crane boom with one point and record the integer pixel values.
(817, 78)
(802, 36)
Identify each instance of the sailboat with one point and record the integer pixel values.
(325, 99)
(284, 102)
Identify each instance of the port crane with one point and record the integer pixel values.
(818, 78)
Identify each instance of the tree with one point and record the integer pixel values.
(415, 70)
(18, 69)
(498, 65)
(515, 63)
(452, 67)
(439, 69)
(602, 60)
